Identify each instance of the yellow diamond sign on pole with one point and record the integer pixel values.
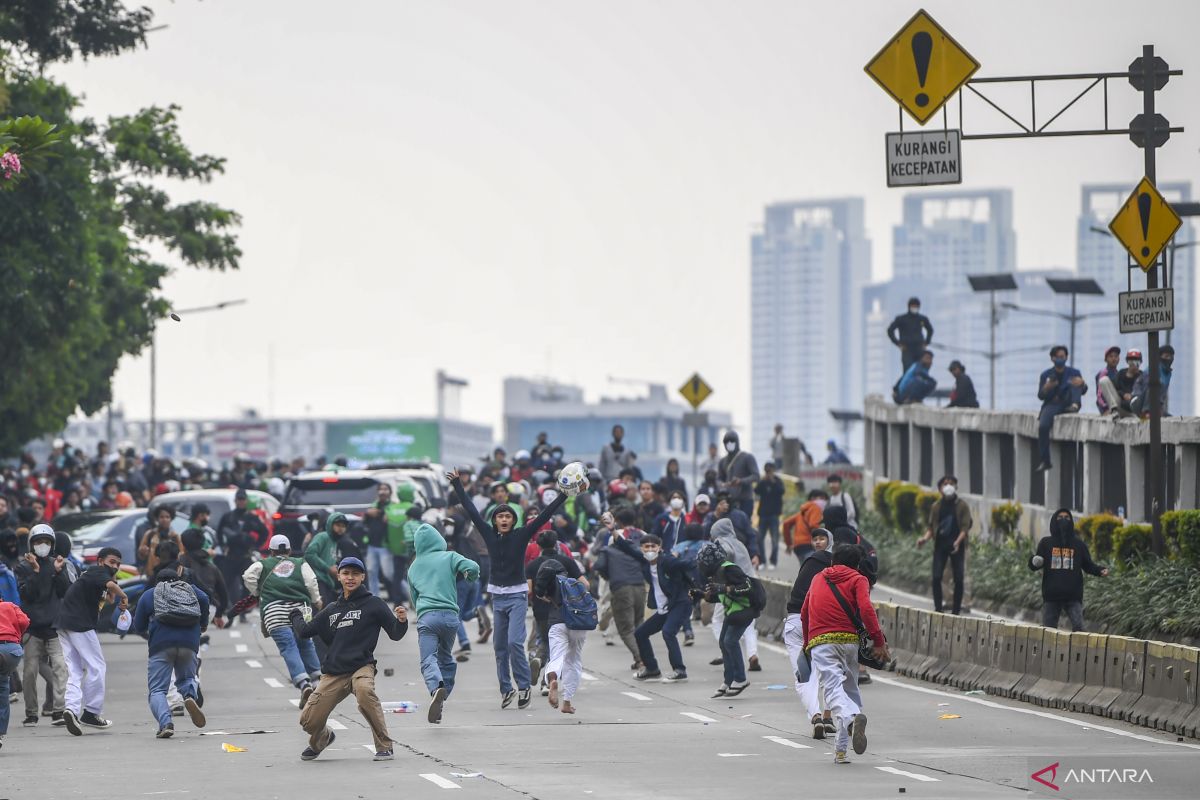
(695, 390)
(922, 67)
(1145, 224)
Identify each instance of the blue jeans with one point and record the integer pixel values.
(178, 660)
(300, 656)
(1045, 423)
(920, 388)
(731, 650)
(15, 651)
(435, 639)
(468, 608)
(379, 562)
(509, 640)
(670, 624)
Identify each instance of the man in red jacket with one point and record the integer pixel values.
(13, 624)
(831, 640)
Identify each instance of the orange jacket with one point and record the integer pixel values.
(797, 529)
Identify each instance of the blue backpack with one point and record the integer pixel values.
(579, 610)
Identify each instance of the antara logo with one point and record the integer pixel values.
(1053, 770)
(1048, 775)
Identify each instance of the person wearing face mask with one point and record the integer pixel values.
(672, 483)
(1109, 372)
(668, 526)
(797, 529)
(949, 523)
(1063, 558)
(615, 456)
(1139, 401)
(770, 507)
(321, 555)
(669, 602)
(1061, 389)
(737, 473)
(1117, 392)
(77, 620)
(43, 580)
(912, 333)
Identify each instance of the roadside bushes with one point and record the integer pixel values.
(1097, 532)
(1006, 518)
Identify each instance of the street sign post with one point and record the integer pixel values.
(923, 158)
(921, 67)
(1151, 310)
(1145, 224)
(695, 391)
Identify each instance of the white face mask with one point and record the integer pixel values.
(821, 502)
(676, 504)
(41, 550)
(948, 490)
(650, 555)
(730, 447)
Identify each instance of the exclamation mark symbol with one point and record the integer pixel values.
(922, 48)
(696, 380)
(1144, 201)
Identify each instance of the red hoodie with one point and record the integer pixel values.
(13, 622)
(822, 614)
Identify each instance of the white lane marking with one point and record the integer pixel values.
(294, 701)
(637, 696)
(438, 780)
(588, 676)
(370, 747)
(337, 726)
(235, 634)
(788, 742)
(697, 717)
(273, 683)
(736, 755)
(252, 664)
(240, 648)
(914, 775)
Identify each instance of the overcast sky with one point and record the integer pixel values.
(562, 188)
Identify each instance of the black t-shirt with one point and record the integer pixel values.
(81, 604)
(947, 526)
(541, 609)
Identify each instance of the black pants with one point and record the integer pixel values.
(910, 352)
(958, 571)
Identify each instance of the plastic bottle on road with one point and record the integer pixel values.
(400, 707)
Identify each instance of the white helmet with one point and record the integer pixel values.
(41, 530)
(522, 455)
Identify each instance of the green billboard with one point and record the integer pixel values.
(383, 440)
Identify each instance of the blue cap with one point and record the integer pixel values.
(351, 561)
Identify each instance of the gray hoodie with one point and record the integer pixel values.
(724, 535)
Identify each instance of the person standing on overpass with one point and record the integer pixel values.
(1061, 389)
(912, 333)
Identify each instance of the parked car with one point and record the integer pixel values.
(311, 497)
(219, 501)
(92, 530)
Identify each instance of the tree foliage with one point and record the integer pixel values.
(81, 287)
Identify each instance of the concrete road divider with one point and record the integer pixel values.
(1169, 688)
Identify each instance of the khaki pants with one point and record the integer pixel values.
(332, 690)
(629, 609)
(35, 650)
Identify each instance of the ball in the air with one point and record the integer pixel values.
(573, 479)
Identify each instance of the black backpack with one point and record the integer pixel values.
(758, 597)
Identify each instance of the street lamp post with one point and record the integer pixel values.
(175, 315)
(998, 282)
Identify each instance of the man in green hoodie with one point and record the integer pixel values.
(321, 555)
(433, 578)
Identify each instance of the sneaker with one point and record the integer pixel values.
(176, 711)
(306, 690)
(435, 706)
(199, 691)
(56, 719)
(675, 677)
(840, 757)
(830, 728)
(736, 688)
(864, 678)
(637, 665)
(720, 692)
(72, 723)
(1042, 467)
(647, 674)
(535, 669)
(166, 731)
(754, 665)
(94, 720)
(30, 720)
(716, 662)
(463, 655)
(193, 710)
(309, 753)
(523, 698)
(689, 639)
(545, 690)
(483, 636)
(858, 733)
(507, 699)
(818, 727)
(383, 755)
(47, 711)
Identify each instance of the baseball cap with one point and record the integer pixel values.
(351, 561)
(1133, 355)
(280, 542)
(703, 498)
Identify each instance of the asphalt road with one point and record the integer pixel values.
(628, 740)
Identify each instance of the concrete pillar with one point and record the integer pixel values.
(893, 434)
(1135, 482)
(1093, 499)
(1188, 458)
(962, 459)
(992, 444)
(938, 453)
(1055, 497)
(914, 453)
(868, 448)
(1023, 464)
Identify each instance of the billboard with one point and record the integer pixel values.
(382, 440)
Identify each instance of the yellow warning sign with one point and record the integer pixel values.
(1145, 224)
(921, 67)
(695, 390)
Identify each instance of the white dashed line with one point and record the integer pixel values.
(914, 775)
(788, 742)
(252, 664)
(294, 701)
(235, 634)
(273, 683)
(587, 677)
(240, 648)
(697, 717)
(637, 696)
(438, 780)
(337, 726)
(736, 755)
(370, 747)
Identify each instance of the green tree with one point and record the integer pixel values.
(81, 288)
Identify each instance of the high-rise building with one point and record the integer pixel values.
(945, 235)
(1101, 257)
(809, 263)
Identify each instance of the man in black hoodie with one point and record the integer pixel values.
(43, 581)
(350, 627)
(506, 545)
(1063, 558)
(912, 333)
